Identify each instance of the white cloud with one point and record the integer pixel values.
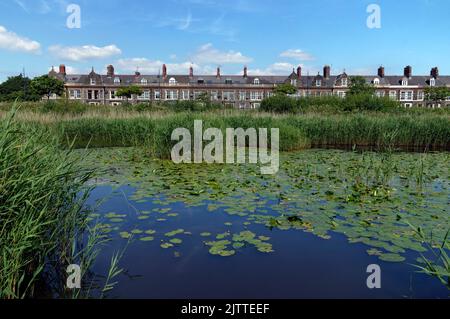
(297, 54)
(279, 68)
(208, 54)
(86, 52)
(11, 41)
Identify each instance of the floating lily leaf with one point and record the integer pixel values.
(174, 233)
(176, 241)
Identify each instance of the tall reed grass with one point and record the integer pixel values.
(42, 192)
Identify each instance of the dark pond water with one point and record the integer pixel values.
(310, 232)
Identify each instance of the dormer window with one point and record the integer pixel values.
(144, 81)
(201, 81)
(256, 81)
(228, 81)
(318, 82)
(404, 82)
(376, 82)
(344, 82)
(116, 80)
(93, 81)
(432, 82)
(172, 81)
(294, 82)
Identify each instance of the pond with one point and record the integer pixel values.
(226, 231)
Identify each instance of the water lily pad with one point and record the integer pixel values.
(174, 233)
(176, 241)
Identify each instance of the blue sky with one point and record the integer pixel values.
(270, 36)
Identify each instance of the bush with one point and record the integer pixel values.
(280, 103)
(368, 102)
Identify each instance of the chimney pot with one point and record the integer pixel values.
(326, 71)
(435, 72)
(218, 72)
(110, 70)
(381, 72)
(62, 69)
(408, 71)
(299, 72)
(245, 72)
(191, 72)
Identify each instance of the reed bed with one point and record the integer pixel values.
(419, 131)
(42, 194)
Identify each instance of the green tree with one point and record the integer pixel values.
(17, 87)
(436, 94)
(285, 89)
(359, 86)
(46, 86)
(129, 91)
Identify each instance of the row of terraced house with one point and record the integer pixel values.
(242, 91)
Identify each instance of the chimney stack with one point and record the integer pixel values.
(299, 72)
(164, 71)
(62, 69)
(408, 72)
(381, 72)
(435, 72)
(191, 72)
(326, 71)
(218, 73)
(245, 72)
(110, 71)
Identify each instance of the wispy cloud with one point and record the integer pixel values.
(208, 54)
(278, 68)
(179, 23)
(13, 42)
(297, 54)
(83, 53)
(22, 5)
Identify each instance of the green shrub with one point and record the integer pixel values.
(280, 103)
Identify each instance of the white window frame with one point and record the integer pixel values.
(75, 94)
(407, 95)
(393, 95)
(256, 95)
(185, 95)
(171, 95)
(145, 95)
(420, 95)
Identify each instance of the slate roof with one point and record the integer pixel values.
(304, 81)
